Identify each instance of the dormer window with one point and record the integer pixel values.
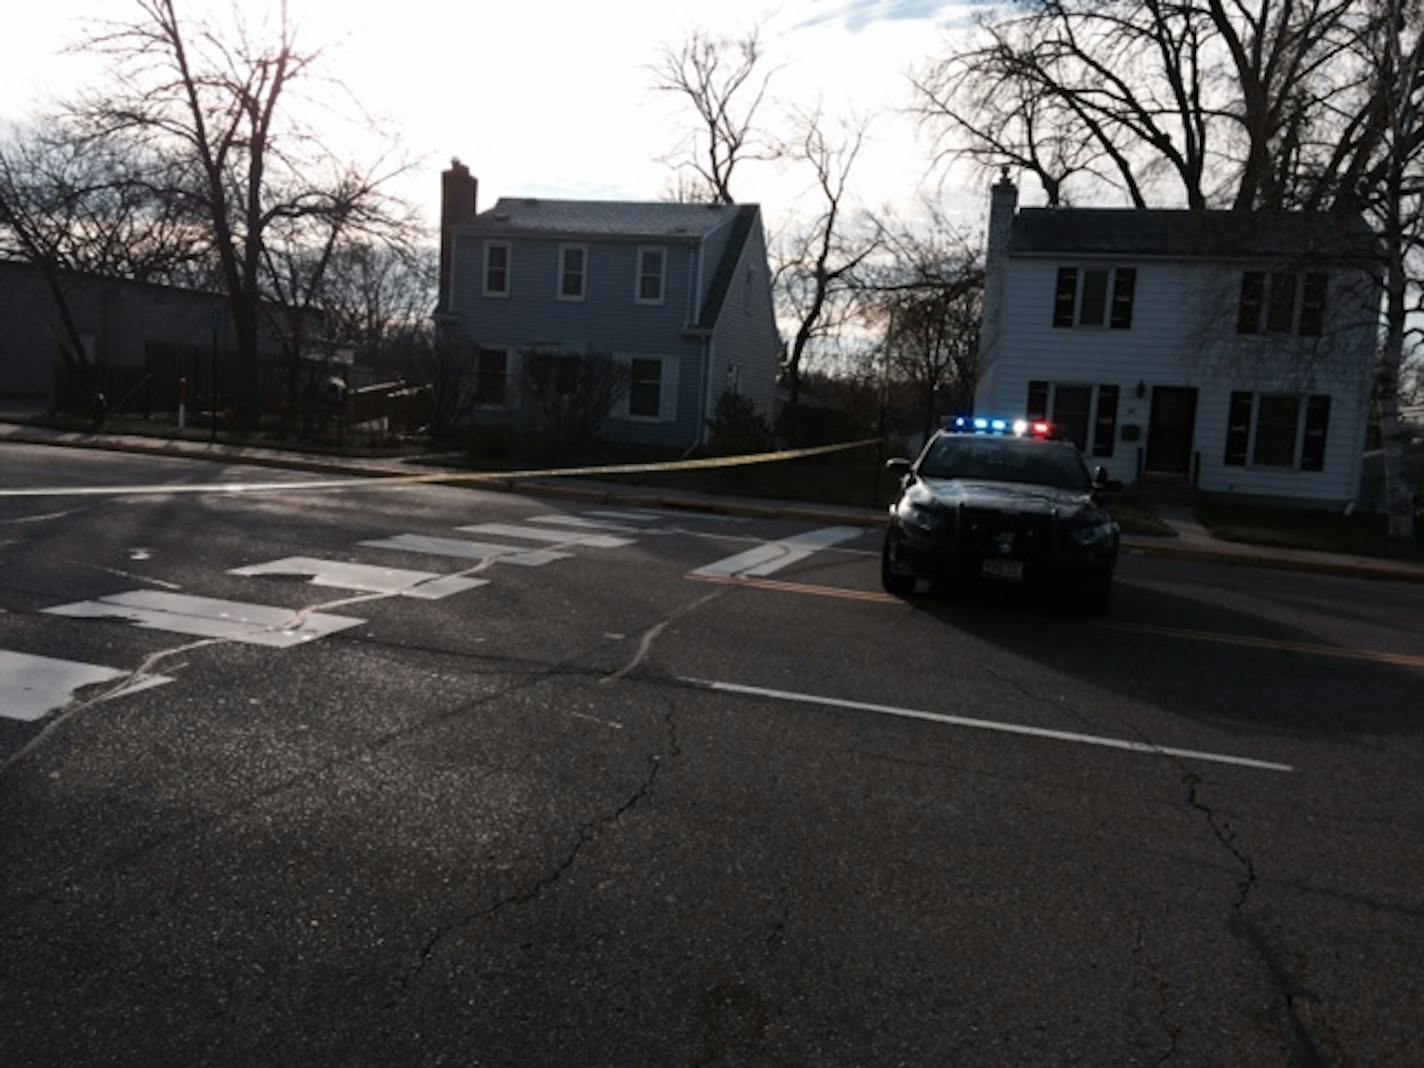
(573, 271)
(496, 271)
(652, 264)
(1094, 297)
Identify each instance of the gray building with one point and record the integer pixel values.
(129, 330)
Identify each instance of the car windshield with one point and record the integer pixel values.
(989, 459)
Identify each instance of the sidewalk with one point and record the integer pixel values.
(1193, 541)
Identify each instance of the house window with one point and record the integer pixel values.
(1277, 423)
(496, 268)
(645, 388)
(1277, 303)
(1071, 405)
(573, 271)
(1094, 297)
(651, 265)
(1280, 307)
(1312, 304)
(1278, 430)
(491, 378)
(1105, 424)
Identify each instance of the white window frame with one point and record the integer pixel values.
(510, 399)
(565, 247)
(485, 272)
(640, 274)
(667, 389)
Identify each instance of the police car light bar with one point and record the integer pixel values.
(965, 424)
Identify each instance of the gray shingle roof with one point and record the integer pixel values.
(1191, 234)
(610, 218)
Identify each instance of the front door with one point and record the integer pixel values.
(1169, 432)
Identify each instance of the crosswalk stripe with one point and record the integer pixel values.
(774, 555)
(637, 517)
(207, 617)
(341, 575)
(649, 514)
(509, 530)
(460, 549)
(580, 523)
(33, 686)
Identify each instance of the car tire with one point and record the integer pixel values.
(897, 583)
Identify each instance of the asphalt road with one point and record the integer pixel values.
(603, 809)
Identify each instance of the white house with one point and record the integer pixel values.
(1224, 351)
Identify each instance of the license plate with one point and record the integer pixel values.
(1004, 569)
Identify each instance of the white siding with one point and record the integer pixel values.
(1183, 333)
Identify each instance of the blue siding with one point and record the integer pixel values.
(746, 333)
(607, 320)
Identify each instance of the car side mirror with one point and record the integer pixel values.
(899, 466)
(1100, 477)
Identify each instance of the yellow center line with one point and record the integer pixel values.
(1248, 641)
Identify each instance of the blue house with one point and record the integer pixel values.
(675, 297)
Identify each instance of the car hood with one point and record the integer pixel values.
(1014, 497)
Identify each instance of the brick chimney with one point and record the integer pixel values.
(1003, 202)
(458, 190)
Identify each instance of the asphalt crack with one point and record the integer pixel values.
(1160, 986)
(1221, 828)
(588, 833)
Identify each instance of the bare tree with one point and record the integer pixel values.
(571, 395)
(725, 80)
(299, 251)
(216, 99)
(77, 205)
(1244, 105)
(924, 296)
(1393, 46)
(816, 275)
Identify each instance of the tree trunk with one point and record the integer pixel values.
(1398, 491)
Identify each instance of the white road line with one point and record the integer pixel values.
(207, 617)
(341, 575)
(664, 513)
(559, 537)
(581, 523)
(988, 725)
(460, 549)
(33, 686)
(639, 516)
(774, 555)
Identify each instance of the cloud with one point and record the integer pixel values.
(856, 15)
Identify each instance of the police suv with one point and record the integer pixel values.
(1001, 501)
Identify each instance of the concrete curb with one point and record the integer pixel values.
(253, 456)
(638, 498)
(1344, 569)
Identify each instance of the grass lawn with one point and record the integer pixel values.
(1137, 518)
(1292, 528)
(354, 445)
(850, 479)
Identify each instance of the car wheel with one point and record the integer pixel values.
(897, 581)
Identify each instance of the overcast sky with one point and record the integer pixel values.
(551, 97)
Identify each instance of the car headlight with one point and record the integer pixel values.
(1094, 535)
(921, 519)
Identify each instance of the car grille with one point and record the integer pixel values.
(1007, 535)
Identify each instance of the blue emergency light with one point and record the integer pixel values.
(983, 425)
